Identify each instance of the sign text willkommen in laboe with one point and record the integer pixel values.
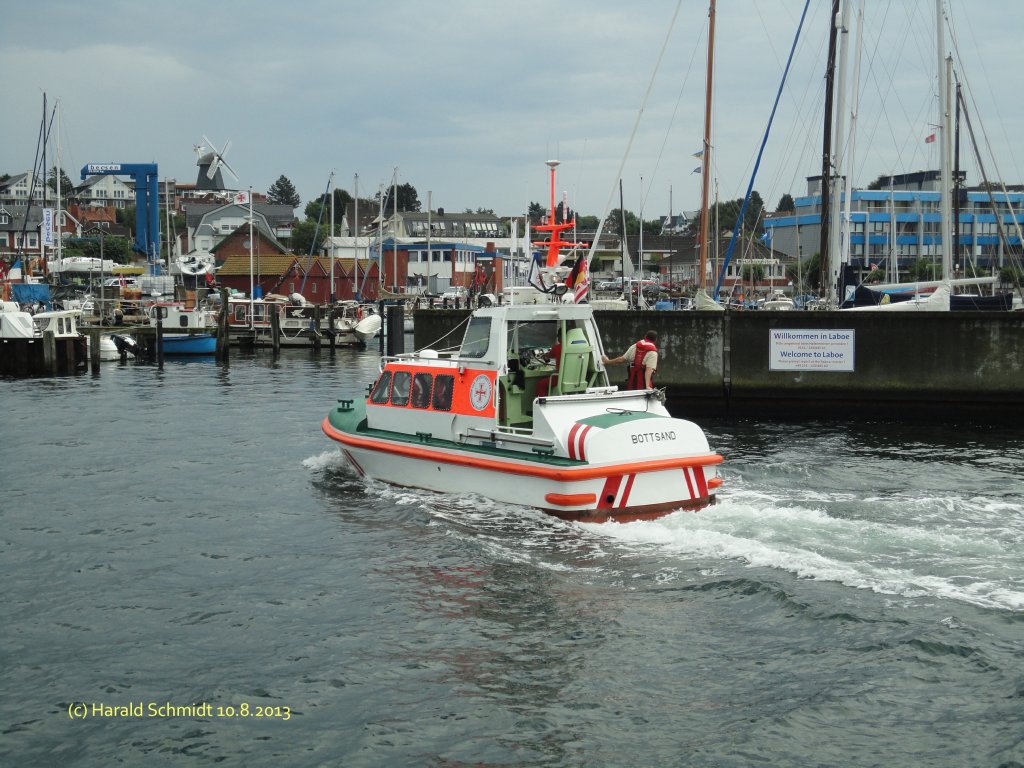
(811, 349)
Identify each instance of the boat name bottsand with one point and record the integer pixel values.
(652, 437)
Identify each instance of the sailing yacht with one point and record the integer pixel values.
(937, 295)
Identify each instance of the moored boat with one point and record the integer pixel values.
(186, 344)
(354, 323)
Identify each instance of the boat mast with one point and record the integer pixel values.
(394, 232)
(893, 270)
(355, 233)
(956, 178)
(945, 182)
(252, 323)
(57, 218)
(623, 251)
(329, 182)
(835, 260)
(706, 152)
(826, 148)
(430, 256)
(380, 236)
(848, 159)
(167, 225)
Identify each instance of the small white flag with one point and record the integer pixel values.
(240, 198)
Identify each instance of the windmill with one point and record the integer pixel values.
(210, 162)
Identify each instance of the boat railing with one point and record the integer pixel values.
(520, 435)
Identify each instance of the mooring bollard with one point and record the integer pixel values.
(94, 350)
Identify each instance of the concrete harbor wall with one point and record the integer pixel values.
(900, 365)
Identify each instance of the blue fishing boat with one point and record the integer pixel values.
(184, 344)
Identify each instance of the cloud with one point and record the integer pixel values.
(469, 99)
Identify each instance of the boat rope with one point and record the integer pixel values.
(760, 153)
(453, 330)
(632, 136)
(316, 232)
(668, 131)
(995, 209)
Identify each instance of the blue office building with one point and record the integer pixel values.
(902, 220)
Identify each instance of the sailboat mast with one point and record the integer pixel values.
(57, 218)
(430, 223)
(394, 233)
(706, 152)
(826, 147)
(332, 252)
(622, 239)
(945, 181)
(956, 177)
(355, 238)
(835, 260)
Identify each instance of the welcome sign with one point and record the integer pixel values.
(811, 349)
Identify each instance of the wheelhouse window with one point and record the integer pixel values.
(444, 384)
(381, 389)
(400, 388)
(422, 384)
(477, 338)
(531, 335)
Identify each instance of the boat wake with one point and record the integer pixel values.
(909, 553)
(913, 546)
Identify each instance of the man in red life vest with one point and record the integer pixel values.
(642, 358)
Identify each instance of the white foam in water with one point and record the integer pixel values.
(912, 545)
(325, 460)
(912, 555)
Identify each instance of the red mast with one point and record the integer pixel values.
(555, 243)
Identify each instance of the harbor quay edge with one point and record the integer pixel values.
(948, 365)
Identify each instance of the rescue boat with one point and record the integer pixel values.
(500, 419)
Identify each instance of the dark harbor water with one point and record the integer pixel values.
(190, 539)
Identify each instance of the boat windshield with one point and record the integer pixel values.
(477, 338)
(531, 335)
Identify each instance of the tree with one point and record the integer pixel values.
(116, 248)
(125, 215)
(786, 203)
(632, 223)
(923, 269)
(282, 192)
(753, 272)
(729, 210)
(320, 209)
(536, 212)
(1011, 276)
(808, 274)
(307, 236)
(408, 199)
(877, 183)
(66, 184)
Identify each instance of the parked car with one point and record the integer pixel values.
(454, 293)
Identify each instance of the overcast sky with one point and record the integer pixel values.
(469, 99)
